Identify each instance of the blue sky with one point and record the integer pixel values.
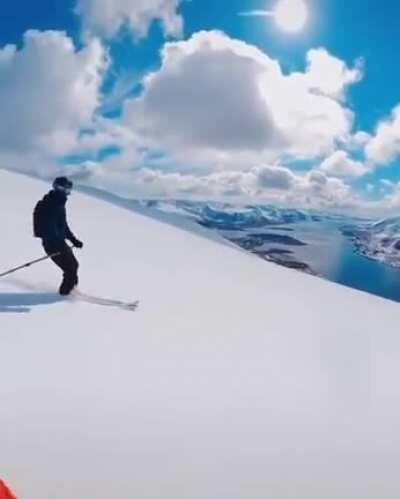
(346, 31)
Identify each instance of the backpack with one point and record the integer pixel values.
(39, 219)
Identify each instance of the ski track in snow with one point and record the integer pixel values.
(105, 302)
(239, 379)
(46, 294)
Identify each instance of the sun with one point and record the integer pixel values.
(291, 15)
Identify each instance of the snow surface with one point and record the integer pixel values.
(236, 378)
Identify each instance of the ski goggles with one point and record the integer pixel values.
(66, 190)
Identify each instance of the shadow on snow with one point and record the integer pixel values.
(21, 302)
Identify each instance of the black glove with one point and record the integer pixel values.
(77, 243)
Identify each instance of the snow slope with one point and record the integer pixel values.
(235, 379)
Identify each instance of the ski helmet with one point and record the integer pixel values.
(63, 184)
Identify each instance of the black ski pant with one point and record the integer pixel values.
(63, 257)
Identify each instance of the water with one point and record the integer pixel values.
(332, 255)
(368, 275)
(327, 251)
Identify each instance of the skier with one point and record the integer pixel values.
(50, 225)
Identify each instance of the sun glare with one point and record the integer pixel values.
(291, 15)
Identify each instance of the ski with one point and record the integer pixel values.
(106, 302)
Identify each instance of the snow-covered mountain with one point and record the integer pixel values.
(234, 379)
(379, 240)
(265, 230)
(232, 217)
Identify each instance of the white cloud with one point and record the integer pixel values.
(206, 96)
(388, 184)
(360, 139)
(275, 177)
(339, 164)
(106, 17)
(389, 204)
(48, 92)
(215, 98)
(258, 184)
(309, 190)
(215, 102)
(329, 75)
(257, 13)
(384, 146)
(316, 190)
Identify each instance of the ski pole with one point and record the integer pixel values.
(11, 271)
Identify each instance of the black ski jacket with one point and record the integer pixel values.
(50, 218)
